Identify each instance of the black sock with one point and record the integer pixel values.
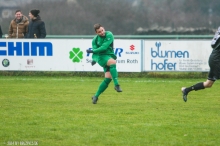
(195, 87)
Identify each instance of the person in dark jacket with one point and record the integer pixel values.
(0, 32)
(36, 27)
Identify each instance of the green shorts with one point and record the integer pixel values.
(103, 60)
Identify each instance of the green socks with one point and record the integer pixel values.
(106, 81)
(103, 86)
(114, 73)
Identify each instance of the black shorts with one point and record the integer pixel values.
(211, 76)
(214, 64)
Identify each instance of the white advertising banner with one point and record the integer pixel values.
(187, 55)
(64, 55)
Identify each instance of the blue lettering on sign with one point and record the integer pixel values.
(3, 52)
(168, 54)
(132, 53)
(117, 52)
(27, 49)
(165, 65)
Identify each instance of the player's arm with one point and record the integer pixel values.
(94, 45)
(107, 42)
(216, 39)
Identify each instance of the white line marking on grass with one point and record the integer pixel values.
(161, 81)
(94, 80)
(87, 80)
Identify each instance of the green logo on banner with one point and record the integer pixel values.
(5, 62)
(76, 55)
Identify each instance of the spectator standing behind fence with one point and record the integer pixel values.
(18, 26)
(36, 27)
(0, 32)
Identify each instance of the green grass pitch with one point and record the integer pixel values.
(58, 111)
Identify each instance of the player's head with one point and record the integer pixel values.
(99, 29)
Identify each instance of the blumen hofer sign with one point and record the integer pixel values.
(176, 55)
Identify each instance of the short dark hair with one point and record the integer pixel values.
(17, 11)
(97, 26)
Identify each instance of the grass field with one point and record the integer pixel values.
(58, 111)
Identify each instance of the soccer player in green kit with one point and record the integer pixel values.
(103, 54)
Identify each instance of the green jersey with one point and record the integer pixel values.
(103, 45)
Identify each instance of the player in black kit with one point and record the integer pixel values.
(214, 64)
